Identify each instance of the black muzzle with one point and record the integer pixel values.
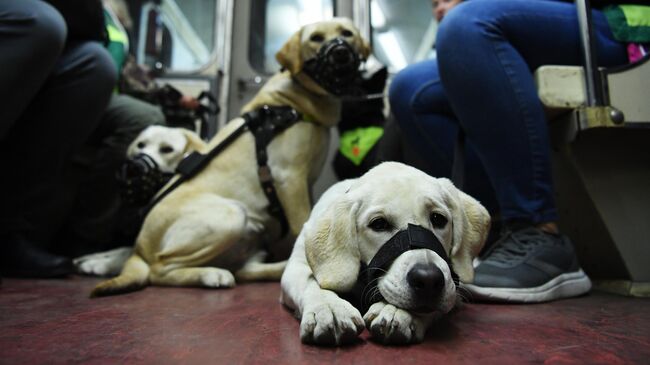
(336, 68)
(412, 238)
(139, 179)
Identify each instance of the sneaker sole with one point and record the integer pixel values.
(564, 286)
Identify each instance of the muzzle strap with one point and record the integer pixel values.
(414, 237)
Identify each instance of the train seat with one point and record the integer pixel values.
(601, 163)
(562, 88)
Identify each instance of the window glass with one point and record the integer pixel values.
(177, 35)
(403, 31)
(274, 21)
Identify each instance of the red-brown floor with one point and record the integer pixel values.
(54, 322)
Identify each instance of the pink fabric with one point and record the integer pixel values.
(635, 52)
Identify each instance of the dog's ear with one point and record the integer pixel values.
(194, 142)
(332, 248)
(132, 149)
(471, 223)
(289, 56)
(366, 50)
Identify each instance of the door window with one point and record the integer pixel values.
(403, 31)
(174, 35)
(274, 21)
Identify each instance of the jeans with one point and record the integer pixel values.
(482, 81)
(53, 94)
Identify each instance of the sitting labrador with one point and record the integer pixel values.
(166, 147)
(214, 224)
(360, 221)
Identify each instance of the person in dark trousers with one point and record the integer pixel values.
(56, 79)
(482, 82)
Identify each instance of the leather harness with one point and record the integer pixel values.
(264, 123)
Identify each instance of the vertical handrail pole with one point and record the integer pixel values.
(592, 75)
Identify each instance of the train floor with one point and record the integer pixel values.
(54, 322)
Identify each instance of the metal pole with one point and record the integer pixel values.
(592, 75)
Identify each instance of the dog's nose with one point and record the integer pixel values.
(426, 280)
(341, 56)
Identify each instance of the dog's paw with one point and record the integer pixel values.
(331, 321)
(255, 226)
(394, 326)
(107, 263)
(217, 278)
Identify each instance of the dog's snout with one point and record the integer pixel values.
(341, 56)
(426, 279)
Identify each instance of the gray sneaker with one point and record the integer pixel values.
(529, 265)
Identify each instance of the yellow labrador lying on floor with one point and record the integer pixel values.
(166, 147)
(213, 225)
(391, 203)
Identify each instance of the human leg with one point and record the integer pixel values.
(36, 149)
(32, 37)
(487, 52)
(424, 115)
(95, 217)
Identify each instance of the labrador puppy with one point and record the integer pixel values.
(347, 227)
(166, 147)
(211, 228)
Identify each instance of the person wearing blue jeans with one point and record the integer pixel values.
(55, 83)
(481, 81)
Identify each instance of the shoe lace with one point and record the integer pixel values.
(515, 246)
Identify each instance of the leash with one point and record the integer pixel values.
(264, 123)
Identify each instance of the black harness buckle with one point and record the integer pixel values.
(264, 173)
(191, 164)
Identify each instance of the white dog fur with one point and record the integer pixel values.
(167, 147)
(326, 257)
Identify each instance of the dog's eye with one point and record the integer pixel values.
(166, 149)
(438, 220)
(347, 33)
(317, 37)
(141, 145)
(379, 224)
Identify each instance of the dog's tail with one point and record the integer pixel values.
(134, 276)
(256, 269)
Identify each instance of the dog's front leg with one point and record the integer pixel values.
(394, 326)
(294, 196)
(325, 319)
